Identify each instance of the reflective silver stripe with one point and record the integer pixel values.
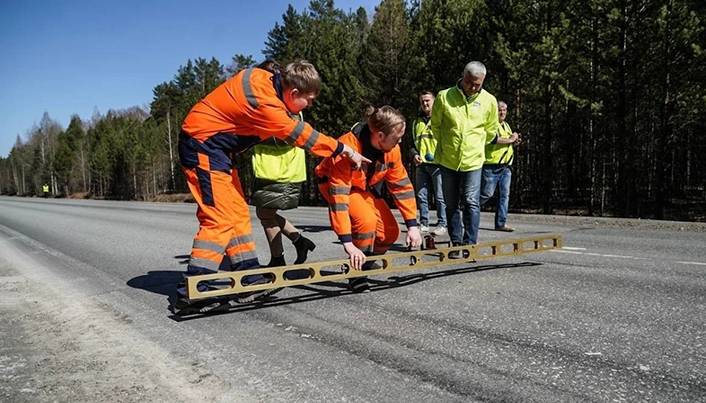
(210, 246)
(205, 263)
(425, 136)
(404, 182)
(311, 141)
(404, 195)
(363, 235)
(243, 256)
(296, 133)
(339, 190)
(338, 206)
(247, 89)
(240, 240)
(381, 167)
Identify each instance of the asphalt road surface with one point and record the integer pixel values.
(85, 287)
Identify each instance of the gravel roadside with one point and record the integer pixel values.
(57, 348)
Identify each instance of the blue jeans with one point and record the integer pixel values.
(497, 178)
(462, 187)
(429, 179)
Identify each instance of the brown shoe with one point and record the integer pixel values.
(505, 229)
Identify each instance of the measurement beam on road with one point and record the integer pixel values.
(333, 270)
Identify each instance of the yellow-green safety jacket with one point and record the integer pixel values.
(462, 126)
(424, 141)
(500, 154)
(278, 161)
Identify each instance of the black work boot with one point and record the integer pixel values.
(303, 246)
(360, 284)
(458, 254)
(184, 306)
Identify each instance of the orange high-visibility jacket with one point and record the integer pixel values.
(341, 178)
(240, 113)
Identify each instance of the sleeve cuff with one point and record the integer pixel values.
(411, 223)
(339, 150)
(346, 238)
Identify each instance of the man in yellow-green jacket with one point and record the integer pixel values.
(497, 169)
(428, 171)
(463, 120)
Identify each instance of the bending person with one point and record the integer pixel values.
(358, 212)
(250, 107)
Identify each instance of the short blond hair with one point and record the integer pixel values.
(302, 76)
(384, 119)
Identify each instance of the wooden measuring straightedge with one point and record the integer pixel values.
(333, 270)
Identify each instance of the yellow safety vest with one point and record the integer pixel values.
(278, 161)
(424, 140)
(500, 153)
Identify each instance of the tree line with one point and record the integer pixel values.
(608, 94)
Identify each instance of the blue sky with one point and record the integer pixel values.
(70, 57)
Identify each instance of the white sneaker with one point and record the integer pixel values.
(439, 231)
(423, 228)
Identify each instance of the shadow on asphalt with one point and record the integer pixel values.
(313, 228)
(161, 282)
(164, 282)
(329, 289)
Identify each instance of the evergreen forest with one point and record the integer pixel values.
(609, 95)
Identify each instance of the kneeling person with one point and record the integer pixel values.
(359, 215)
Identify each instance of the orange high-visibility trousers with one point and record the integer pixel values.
(224, 221)
(373, 226)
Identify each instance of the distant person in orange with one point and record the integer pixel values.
(250, 107)
(358, 212)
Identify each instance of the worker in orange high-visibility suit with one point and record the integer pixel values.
(359, 215)
(252, 106)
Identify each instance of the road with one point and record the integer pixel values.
(85, 286)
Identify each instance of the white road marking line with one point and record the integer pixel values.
(618, 256)
(696, 263)
(572, 248)
(600, 254)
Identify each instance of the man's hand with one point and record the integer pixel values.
(518, 139)
(417, 160)
(356, 255)
(356, 159)
(414, 238)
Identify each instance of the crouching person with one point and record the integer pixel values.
(359, 215)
